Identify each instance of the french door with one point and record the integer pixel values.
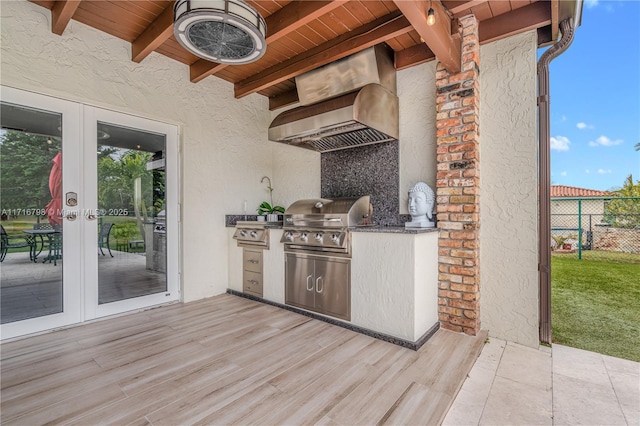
(89, 201)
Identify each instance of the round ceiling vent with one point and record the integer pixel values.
(224, 31)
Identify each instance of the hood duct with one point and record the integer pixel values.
(353, 103)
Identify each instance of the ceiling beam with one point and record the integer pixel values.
(285, 21)
(61, 14)
(459, 6)
(526, 18)
(438, 37)
(154, 35)
(414, 55)
(378, 31)
(283, 99)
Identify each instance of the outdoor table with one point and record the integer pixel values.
(33, 234)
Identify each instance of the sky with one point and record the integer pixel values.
(595, 99)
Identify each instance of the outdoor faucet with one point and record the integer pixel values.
(269, 187)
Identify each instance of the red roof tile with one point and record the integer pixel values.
(561, 191)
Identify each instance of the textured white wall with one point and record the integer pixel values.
(416, 90)
(508, 185)
(393, 288)
(225, 150)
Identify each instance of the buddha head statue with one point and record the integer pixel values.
(421, 202)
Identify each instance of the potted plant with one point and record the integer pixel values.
(269, 209)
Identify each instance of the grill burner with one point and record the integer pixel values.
(251, 234)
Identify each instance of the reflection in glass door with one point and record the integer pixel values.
(31, 204)
(39, 287)
(132, 259)
(130, 222)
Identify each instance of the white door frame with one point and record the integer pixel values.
(72, 290)
(80, 265)
(91, 118)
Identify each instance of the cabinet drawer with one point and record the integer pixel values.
(252, 283)
(252, 260)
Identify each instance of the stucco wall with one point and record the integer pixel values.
(508, 199)
(224, 143)
(416, 90)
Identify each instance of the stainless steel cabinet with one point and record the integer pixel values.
(318, 283)
(252, 271)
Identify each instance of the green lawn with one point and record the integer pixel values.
(596, 306)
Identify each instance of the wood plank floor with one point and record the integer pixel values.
(227, 360)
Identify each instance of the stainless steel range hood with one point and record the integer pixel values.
(366, 114)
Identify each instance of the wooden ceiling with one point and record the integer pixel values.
(303, 35)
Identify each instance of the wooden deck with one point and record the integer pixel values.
(228, 360)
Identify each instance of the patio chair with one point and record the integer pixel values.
(103, 237)
(8, 242)
(55, 249)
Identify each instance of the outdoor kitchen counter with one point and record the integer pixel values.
(394, 278)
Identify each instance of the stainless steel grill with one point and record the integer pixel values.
(322, 225)
(317, 246)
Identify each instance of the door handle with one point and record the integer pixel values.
(318, 288)
(71, 216)
(91, 216)
(309, 287)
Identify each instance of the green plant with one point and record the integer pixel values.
(266, 208)
(269, 208)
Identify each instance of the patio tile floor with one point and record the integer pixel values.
(512, 384)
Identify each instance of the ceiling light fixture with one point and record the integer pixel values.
(225, 31)
(431, 14)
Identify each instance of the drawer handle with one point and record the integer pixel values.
(252, 281)
(253, 261)
(309, 283)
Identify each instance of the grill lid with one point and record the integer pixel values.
(322, 212)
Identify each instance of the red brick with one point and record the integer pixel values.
(450, 294)
(468, 254)
(443, 252)
(451, 122)
(462, 304)
(469, 296)
(455, 208)
(462, 270)
(451, 311)
(469, 280)
(471, 313)
(443, 269)
(451, 278)
(442, 149)
(465, 288)
(450, 243)
(449, 175)
(449, 261)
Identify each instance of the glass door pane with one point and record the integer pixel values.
(31, 213)
(132, 259)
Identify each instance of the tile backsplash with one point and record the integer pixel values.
(366, 170)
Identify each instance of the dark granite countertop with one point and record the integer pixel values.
(393, 229)
(230, 222)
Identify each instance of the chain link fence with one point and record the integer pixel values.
(605, 229)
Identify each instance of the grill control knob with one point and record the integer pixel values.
(289, 236)
(304, 237)
(243, 233)
(335, 238)
(253, 234)
(318, 237)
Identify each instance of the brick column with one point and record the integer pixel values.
(458, 187)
